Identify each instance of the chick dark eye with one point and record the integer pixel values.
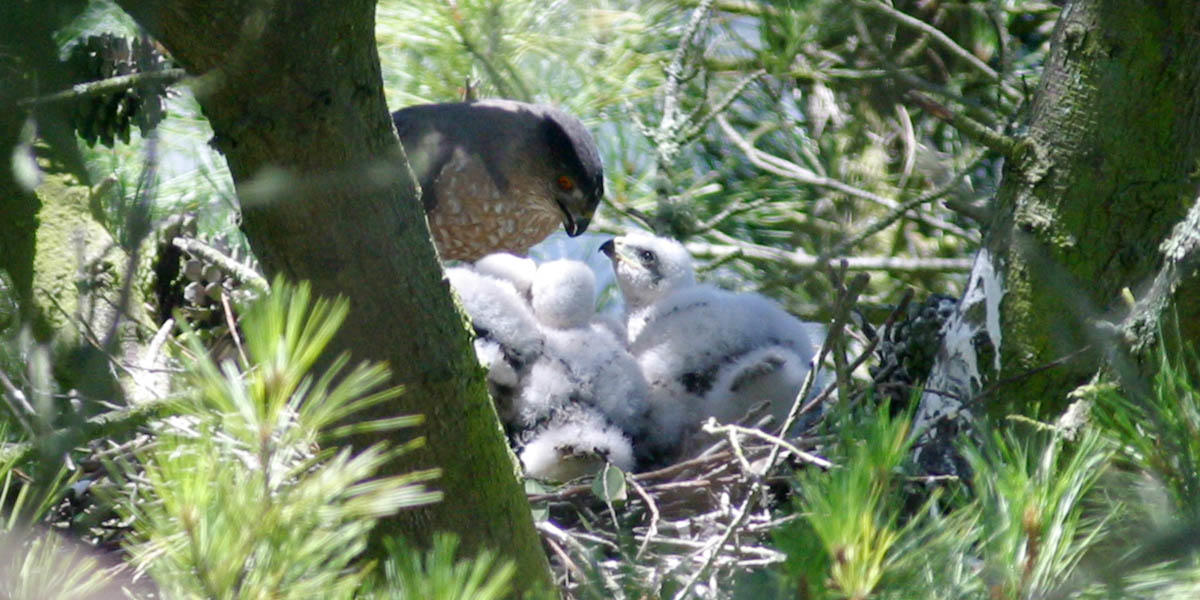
(646, 256)
(565, 183)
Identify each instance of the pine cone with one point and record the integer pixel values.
(907, 349)
(108, 117)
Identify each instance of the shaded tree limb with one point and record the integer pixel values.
(293, 91)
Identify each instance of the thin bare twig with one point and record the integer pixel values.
(740, 516)
(231, 323)
(652, 506)
(712, 427)
(801, 260)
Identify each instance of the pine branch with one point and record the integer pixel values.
(892, 216)
(1000, 143)
(243, 273)
(107, 86)
(786, 168)
(941, 39)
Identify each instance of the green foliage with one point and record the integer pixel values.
(1104, 511)
(36, 563)
(843, 546)
(45, 566)
(1157, 452)
(1020, 530)
(241, 496)
(242, 502)
(26, 500)
(586, 56)
(1032, 500)
(1161, 432)
(236, 497)
(439, 575)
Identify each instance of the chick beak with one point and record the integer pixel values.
(609, 249)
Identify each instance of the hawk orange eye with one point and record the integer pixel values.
(565, 184)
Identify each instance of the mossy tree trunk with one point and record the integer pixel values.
(27, 69)
(1105, 169)
(61, 269)
(294, 95)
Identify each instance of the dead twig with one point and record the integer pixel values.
(712, 427)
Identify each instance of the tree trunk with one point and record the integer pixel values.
(294, 94)
(1105, 170)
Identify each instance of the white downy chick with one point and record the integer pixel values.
(772, 375)
(563, 294)
(602, 372)
(647, 268)
(517, 270)
(683, 333)
(574, 442)
(614, 323)
(507, 339)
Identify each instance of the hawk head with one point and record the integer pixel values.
(574, 168)
(498, 175)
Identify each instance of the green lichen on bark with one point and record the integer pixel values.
(1100, 180)
(74, 259)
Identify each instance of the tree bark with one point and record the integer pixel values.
(29, 67)
(294, 95)
(1104, 171)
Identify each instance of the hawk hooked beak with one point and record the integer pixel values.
(574, 226)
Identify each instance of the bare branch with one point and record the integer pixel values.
(1181, 256)
(711, 427)
(801, 260)
(998, 142)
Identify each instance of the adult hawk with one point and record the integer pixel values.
(500, 175)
